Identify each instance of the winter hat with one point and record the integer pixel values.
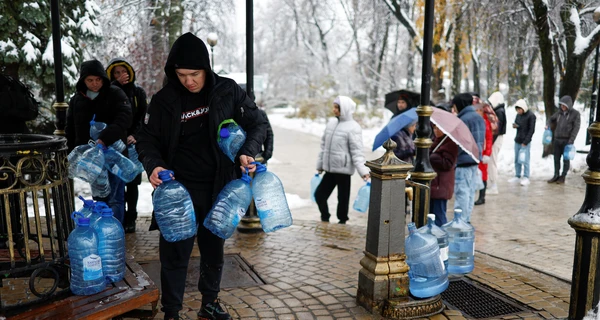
(496, 99)
(522, 104)
(567, 101)
(462, 100)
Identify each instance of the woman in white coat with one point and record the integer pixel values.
(341, 154)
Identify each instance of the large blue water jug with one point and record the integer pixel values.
(90, 164)
(427, 275)
(101, 187)
(270, 201)
(96, 128)
(547, 138)
(314, 183)
(86, 209)
(173, 209)
(231, 205)
(74, 157)
(134, 157)
(117, 164)
(361, 203)
(86, 265)
(231, 138)
(461, 244)
(569, 153)
(441, 236)
(111, 245)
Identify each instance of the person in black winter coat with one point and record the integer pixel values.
(179, 133)
(122, 75)
(96, 96)
(525, 125)
(267, 149)
(567, 121)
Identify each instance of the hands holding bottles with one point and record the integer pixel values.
(246, 163)
(154, 179)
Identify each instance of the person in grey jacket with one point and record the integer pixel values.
(341, 154)
(567, 122)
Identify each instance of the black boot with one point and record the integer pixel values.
(554, 179)
(481, 199)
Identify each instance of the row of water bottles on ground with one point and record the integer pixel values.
(361, 203)
(91, 162)
(96, 248)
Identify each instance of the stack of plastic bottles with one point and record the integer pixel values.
(231, 205)
(173, 209)
(111, 245)
(440, 234)
(86, 265)
(361, 204)
(270, 201)
(461, 244)
(231, 138)
(314, 183)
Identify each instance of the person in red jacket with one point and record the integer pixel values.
(443, 156)
(485, 154)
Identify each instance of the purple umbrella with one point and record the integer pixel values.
(457, 130)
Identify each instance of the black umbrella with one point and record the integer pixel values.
(391, 100)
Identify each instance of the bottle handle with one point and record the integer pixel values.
(74, 215)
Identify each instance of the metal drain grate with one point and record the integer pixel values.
(478, 302)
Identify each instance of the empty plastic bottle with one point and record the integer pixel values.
(231, 205)
(547, 138)
(101, 187)
(111, 245)
(461, 244)
(74, 157)
(173, 209)
(441, 236)
(86, 265)
(231, 138)
(96, 128)
(133, 156)
(361, 203)
(88, 205)
(569, 153)
(119, 165)
(119, 145)
(90, 164)
(314, 183)
(270, 201)
(427, 275)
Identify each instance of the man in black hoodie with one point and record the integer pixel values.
(567, 121)
(179, 133)
(96, 96)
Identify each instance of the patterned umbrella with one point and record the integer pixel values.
(457, 130)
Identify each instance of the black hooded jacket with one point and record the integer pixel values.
(159, 137)
(111, 106)
(137, 95)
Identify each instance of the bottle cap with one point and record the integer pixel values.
(84, 222)
(92, 122)
(107, 212)
(87, 203)
(99, 206)
(224, 133)
(368, 183)
(260, 167)
(165, 175)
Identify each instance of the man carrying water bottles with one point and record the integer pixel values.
(179, 133)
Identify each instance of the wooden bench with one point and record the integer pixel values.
(122, 299)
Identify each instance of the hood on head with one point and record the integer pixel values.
(188, 52)
(91, 68)
(120, 62)
(496, 99)
(347, 107)
(522, 104)
(566, 101)
(462, 100)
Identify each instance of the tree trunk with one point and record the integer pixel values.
(175, 22)
(542, 26)
(456, 63)
(381, 56)
(571, 82)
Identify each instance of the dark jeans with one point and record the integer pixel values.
(439, 206)
(131, 199)
(324, 190)
(116, 198)
(559, 149)
(175, 257)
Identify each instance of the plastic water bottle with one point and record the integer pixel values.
(111, 245)
(547, 138)
(231, 205)
(96, 128)
(134, 157)
(101, 187)
(314, 183)
(270, 201)
(427, 275)
(119, 145)
(461, 245)
(231, 138)
(569, 153)
(88, 205)
(97, 211)
(119, 165)
(173, 209)
(441, 236)
(74, 157)
(361, 203)
(522, 155)
(90, 164)
(86, 265)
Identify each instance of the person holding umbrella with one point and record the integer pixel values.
(443, 155)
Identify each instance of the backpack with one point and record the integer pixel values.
(491, 115)
(16, 101)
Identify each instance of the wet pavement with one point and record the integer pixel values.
(524, 249)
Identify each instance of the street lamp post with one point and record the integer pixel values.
(60, 105)
(212, 42)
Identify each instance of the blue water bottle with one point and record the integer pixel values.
(118, 145)
(173, 209)
(361, 203)
(96, 128)
(119, 165)
(101, 187)
(314, 183)
(231, 138)
(569, 153)
(270, 201)
(134, 157)
(547, 138)
(441, 236)
(86, 265)
(90, 164)
(427, 275)
(74, 157)
(461, 244)
(231, 205)
(111, 245)
(88, 205)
